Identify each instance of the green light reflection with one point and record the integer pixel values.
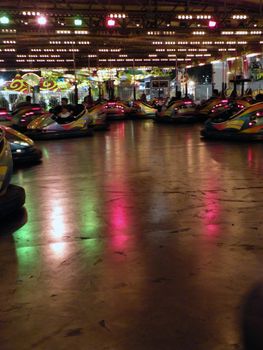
(90, 223)
(45, 152)
(28, 260)
(25, 238)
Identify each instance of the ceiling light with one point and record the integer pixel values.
(81, 32)
(42, 20)
(203, 17)
(63, 31)
(111, 22)
(117, 15)
(4, 20)
(212, 24)
(216, 61)
(8, 30)
(253, 54)
(239, 16)
(231, 58)
(227, 32)
(198, 32)
(78, 22)
(241, 32)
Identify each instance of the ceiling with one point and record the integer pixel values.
(149, 33)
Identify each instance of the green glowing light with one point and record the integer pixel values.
(78, 22)
(4, 20)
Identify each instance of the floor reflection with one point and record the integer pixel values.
(146, 228)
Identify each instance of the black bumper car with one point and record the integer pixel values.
(23, 148)
(180, 111)
(142, 110)
(116, 110)
(22, 116)
(12, 197)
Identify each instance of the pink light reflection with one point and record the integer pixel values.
(119, 223)
(249, 156)
(119, 220)
(211, 214)
(121, 130)
(119, 216)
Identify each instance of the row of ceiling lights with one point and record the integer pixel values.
(155, 58)
(232, 42)
(122, 56)
(142, 59)
(114, 51)
(118, 50)
(69, 42)
(44, 60)
(123, 15)
(42, 19)
(130, 60)
(152, 33)
(231, 32)
(107, 60)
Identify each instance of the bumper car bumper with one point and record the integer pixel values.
(12, 200)
(230, 136)
(163, 119)
(138, 115)
(28, 155)
(19, 127)
(202, 116)
(116, 116)
(185, 118)
(178, 119)
(103, 126)
(41, 135)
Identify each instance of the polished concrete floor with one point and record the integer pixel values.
(141, 238)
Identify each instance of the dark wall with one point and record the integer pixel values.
(201, 74)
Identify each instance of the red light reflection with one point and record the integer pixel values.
(249, 156)
(119, 222)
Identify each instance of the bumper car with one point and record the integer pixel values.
(225, 111)
(22, 148)
(158, 103)
(77, 123)
(246, 125)
(204, 110)
(142, 110)
(12, 197)
(181, 111)
(5, 116)
(116, 110)
(22, 116)
(98, 118)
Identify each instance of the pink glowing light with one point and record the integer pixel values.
(212, 24)
(111, 22)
